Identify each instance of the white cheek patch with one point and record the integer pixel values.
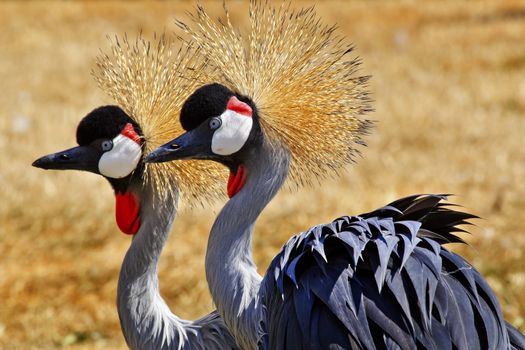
(232, 134)
(122, 159)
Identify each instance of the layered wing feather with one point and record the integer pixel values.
(517, 340)
(381, 280)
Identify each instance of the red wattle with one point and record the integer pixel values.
(127, 212)
(129, 132)
(236, 181)
(238, 106)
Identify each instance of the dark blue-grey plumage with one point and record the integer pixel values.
(517, 339)
(381, 280)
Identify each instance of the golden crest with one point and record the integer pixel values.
(150, 80)
(302, 77)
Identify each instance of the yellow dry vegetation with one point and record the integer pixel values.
(449, 90)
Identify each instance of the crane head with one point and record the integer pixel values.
(109, 145)
(220, 126)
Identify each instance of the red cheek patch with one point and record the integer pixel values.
(127, 212)
(129, 132)
(236, 181)
(239, 107)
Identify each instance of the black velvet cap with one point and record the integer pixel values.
(104, 122)
(207, 101)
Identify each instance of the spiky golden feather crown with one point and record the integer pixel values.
(150, 81)
(299, 74)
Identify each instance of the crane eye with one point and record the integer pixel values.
(106, 145)
(215, 123)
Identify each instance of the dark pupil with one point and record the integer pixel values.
(215, 123)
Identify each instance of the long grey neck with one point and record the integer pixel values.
(145, 318)
(231, 273)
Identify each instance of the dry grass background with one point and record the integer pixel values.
(450, 100)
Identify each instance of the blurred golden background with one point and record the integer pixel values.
(449, 90)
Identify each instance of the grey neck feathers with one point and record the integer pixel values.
(146, 320)
(231, 273)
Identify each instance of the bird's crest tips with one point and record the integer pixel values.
(301, 76)
(150, 80)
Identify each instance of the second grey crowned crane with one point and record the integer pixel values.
(112, 141)
(289, 105)
(380, 280)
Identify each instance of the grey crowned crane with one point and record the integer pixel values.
(112, 141)
(289, 105)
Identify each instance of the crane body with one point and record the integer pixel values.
(380, 280)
